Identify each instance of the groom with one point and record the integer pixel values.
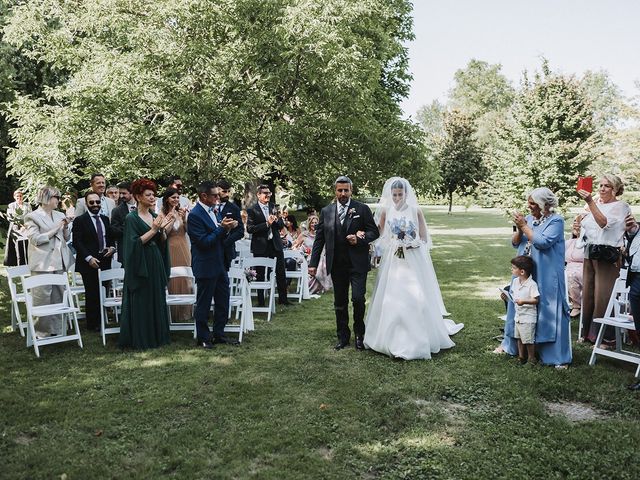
(345, 229)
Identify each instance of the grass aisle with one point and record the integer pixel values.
(285, 405)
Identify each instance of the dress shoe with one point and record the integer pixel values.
(634, 387)
(359, 343)
(341, 345)
(224, 340)
(285, 302)
(205, 345)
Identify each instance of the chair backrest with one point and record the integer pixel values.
(14, 274)
(295, 254)
(249, 262)
(618, 306)
(36, 281)
(111, 274)
(181, 272)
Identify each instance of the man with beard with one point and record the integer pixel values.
(99, 186)
(126, 204)
(94, 246)
(228, 209)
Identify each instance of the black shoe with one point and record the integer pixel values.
(224, 340)
(205, 345)
(341, 345)
(634, 387)
(285, 302)
(359, 343)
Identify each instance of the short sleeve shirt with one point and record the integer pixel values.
(528, 289)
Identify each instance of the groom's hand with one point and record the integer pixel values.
(352, 239)
(312, 271)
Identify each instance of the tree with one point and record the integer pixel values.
(292, 91)
(459, 157)
(548, 139)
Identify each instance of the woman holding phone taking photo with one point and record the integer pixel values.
(601, 233)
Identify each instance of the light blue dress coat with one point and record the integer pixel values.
(553, 334)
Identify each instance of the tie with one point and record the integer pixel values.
(216, 212)
(100, 233)
(265, 209)
(342, 212)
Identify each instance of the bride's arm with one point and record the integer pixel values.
(422, 227)
(383, 215)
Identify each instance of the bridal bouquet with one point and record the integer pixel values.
(405, 232)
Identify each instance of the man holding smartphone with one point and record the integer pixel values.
(228, 209)
(95, 247)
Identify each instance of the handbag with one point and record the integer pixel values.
(606, 253)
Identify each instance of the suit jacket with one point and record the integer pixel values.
(258, 227)
(85, 241)
(107, 206)
(232, 210)
(117, 227)
(359, 217)
(207, 244)
(47, 254)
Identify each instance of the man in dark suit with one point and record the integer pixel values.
(207, 235)
(264, 224)
(345, 229)
(126, 204)
(229, 209)
(94, 246)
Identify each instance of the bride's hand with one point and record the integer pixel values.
(360, 234)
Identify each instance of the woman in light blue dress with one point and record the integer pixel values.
(541, 235)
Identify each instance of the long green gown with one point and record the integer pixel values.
(144, 322)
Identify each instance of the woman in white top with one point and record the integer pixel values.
(602, 231)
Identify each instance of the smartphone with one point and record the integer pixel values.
(585, 183)
(228, 214)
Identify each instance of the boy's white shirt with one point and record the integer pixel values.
(528, 289)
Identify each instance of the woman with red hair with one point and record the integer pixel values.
(144, 322)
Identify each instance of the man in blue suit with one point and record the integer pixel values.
(207, 231)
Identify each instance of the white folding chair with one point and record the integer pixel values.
(77, 290)
(182, 299)
(268, 285)
(110, 297)
(300, 274)
(15, 274)
(240, 300)
(617, 315)
(243, 247)
(64, 308)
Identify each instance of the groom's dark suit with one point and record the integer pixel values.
(207, 263)
(348, 264)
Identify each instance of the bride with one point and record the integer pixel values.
(406, 315)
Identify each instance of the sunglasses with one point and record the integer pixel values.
(265, 193)
(93, 202)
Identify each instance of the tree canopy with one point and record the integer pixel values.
(293, 90)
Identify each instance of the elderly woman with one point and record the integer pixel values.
(574, 259)
(48, 232)
(144, 322)
(602, 234)
(541, 235)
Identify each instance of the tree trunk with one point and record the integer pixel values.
(450, 202)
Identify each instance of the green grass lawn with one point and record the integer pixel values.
(285, 405)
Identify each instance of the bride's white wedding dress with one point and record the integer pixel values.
(405, 316)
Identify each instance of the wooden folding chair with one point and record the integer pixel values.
(110, 285)
(268, 285)
(300, 274)
(64, 308)
(617, 315)
(15, 275)
(182, 299)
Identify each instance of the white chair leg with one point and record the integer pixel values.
(592, 360)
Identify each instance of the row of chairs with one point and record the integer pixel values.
(242, 291)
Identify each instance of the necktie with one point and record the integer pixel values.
(100, 233)
(216, 212)
(342, 212)
(265, 210)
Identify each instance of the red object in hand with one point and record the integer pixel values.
(585, 183)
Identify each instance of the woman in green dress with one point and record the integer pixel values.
(144, 322)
